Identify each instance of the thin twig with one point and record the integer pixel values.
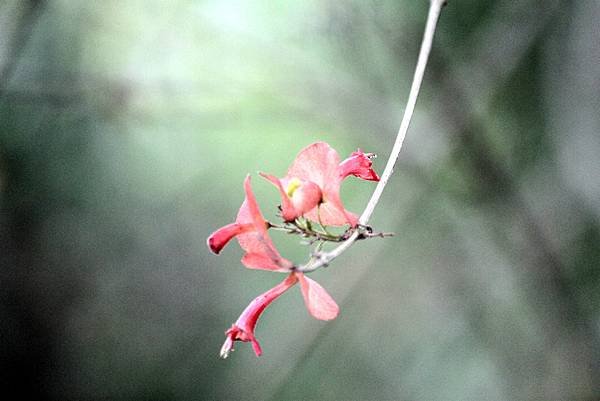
(325, 258)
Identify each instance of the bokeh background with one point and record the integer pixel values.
(126, 130)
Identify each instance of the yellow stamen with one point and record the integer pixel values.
(293, 185)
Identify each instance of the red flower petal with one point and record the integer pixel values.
(317, 163)
(253, 212)
(260, 251)
(306, 197)
(250, 228)
(318, 302)
(295, 201)
(256, 347)
(359, 165)
(332, 213)
(263, 261)
(288, 212)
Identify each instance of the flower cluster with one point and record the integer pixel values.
(310, 195)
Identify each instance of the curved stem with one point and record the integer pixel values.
(324, 259)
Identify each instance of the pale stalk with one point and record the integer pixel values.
(324, 258)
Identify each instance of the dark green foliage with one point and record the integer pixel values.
(125, 128)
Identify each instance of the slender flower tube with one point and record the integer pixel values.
(243, 328)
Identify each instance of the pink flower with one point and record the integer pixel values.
(250, 228)
(318, 302)
(297, 196)
(311, 187)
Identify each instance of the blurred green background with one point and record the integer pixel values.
(126, 130)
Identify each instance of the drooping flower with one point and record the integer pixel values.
(317, 168)
(318, 302)
(243, 328)
(250, 228)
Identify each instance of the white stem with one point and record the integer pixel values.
(324, 259)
